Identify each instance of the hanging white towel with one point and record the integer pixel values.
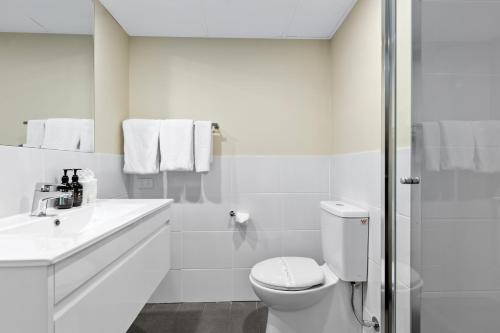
(141, 138)
(87, 136)
(457, 142)
(431, 137)
(176, 145)
(202, 145)
(35, 132)
(487, 140)
(62, 133)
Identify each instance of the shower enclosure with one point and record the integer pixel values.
(442, 166)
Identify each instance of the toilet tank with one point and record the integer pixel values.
(344, 236)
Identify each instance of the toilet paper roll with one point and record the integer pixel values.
(241, 217)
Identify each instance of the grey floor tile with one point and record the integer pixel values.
(244, 317)
(221, 317)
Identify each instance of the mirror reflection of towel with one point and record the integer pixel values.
(487, 140)
(457, 142)
(62, 133)
(35, 132)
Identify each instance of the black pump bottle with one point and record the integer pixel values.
(64, 203)
(77, 189)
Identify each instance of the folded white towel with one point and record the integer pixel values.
(35, 132)
(176, 145)
(202, 145)
(141, 146)
(457, 142)
(87, 136)
(431, 137)
(62, 133)
(487, 140)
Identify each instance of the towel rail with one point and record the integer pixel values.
(215, 126)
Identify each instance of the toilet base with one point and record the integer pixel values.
(332, 314)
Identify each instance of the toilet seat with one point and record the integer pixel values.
(288, 273)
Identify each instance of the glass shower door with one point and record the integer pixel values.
(448, 225)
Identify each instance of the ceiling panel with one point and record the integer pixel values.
(182, 18)
(230, 18)
(47, 16)
(318, 18)
(244, 18)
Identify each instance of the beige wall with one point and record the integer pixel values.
(42, 76)
(269, 96)
(111, 81)
(356, 80)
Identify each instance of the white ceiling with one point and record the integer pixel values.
(230, 18)
(47, 16)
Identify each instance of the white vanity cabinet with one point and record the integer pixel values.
(99, 286)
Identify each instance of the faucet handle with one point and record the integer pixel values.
(46, 187)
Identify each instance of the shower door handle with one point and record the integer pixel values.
(410, 180)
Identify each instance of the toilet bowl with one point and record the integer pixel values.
(285, 298)
(304, 297)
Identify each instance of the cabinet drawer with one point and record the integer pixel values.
(112, 300)
(73, 272)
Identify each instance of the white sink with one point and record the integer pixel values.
(37, 239)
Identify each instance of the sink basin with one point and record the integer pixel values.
(51, 238)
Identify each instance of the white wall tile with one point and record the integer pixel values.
(207, 216)
(255, 174)
(207, 285)
(300, 174)
(218, 180)
(303, 244)
(373, 289)
(176, 217)
(112, 182)
(357, 178)
(176, 250)
(209, 249)
(20, 169)
(169, 290)
(302, 211)
(264, 209)
(251, 247)
(375, 234)
(242, 289)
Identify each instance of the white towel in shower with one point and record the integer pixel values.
(35, 132)
(141, 138)
(176, 145)
(457, 141)
(431, 137)
(487, 140)
(202, 145)
(62, 133)
(87, 136)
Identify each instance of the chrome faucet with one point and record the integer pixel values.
(44, 193)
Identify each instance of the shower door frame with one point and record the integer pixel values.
(388, 234)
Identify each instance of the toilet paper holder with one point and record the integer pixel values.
(239, 217)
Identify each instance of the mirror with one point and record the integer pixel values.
(47, 74)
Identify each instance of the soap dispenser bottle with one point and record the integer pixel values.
(64, 203)
(77, 189)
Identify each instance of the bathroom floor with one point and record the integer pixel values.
(223, 317)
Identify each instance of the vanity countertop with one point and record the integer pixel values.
(33, 241)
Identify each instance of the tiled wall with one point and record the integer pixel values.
(211, 255)
(21, 168)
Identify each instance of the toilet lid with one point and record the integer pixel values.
(288, 273)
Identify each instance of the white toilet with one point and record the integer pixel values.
(304, 297)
